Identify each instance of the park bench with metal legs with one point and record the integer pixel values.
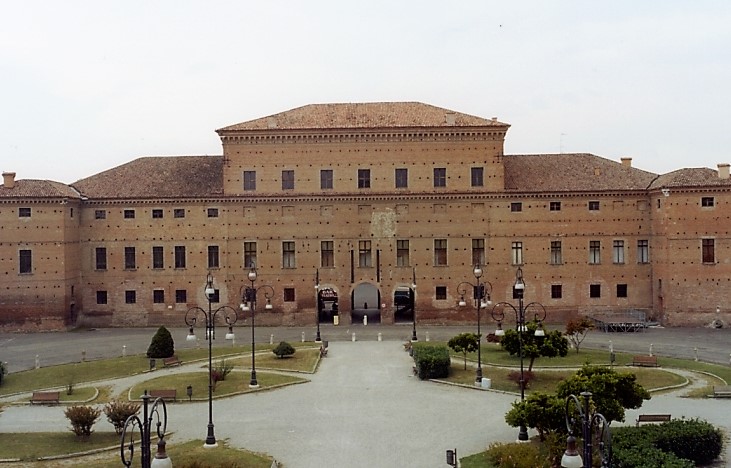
(166, 394)
(652, 418)
(45, 398)
(645, 361)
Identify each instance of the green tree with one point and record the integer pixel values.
(542, 411)
(612, 391)
(464, 343)
(577, 329)
(551, 345)
(283, 349)
(162, 344)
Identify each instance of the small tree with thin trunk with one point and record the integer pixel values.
(464, 343)
(577, 329)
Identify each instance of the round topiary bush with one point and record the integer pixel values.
(283, 349)
(162, 344)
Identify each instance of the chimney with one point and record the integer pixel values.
(627, 162)
(723, 171)
(9, 179)
(449, 118)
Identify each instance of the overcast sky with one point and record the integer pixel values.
(89, 85)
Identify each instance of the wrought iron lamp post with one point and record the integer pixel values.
(248, 302)
(191, 318)
(413, 304)
(318, 302)
(498, 314)
(481, 293)
(589, 423)
(133, 424)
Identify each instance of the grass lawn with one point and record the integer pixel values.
(31, 445)
(303, 360)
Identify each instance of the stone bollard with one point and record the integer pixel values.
(353, 337)
(380, 336)
(124, 350)
(695, 350)
(650, 349)
(365, 320)
(83, 355)
(38, 362)
(271, 338)
(427, 336)
(303, 337)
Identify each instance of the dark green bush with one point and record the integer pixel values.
(432, 361)
(162, 344)
(118, 411)
(283, 349)
(519, 455)
(3, 371)
(82, 419)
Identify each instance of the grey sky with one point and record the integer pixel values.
(88, 85)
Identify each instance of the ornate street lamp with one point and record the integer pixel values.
(318, 302)
(589, 423)
(144, 426)
(413, 304)
(191, 317)
(498, 314)
(481, 293)
(248, 303)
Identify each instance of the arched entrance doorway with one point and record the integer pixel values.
(366, 300)
(403, 301)
(327, 305)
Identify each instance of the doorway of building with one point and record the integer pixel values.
(366, 300)
(403, 302)
(327, 305)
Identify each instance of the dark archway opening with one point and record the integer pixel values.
(366, 300)
(403, 302)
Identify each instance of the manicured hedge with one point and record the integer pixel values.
(432, 360)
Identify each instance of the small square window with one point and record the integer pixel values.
(477, 176)
(556, 291)
(24, 212)
(289, 295)
(621, 290)
(364, 178)
(130, 297)
(593, 206)
(516, 207)
(707, 202)
(179, 213)
(100, 214)
(101, 297)
(157, 213)
(216, 297)
(158, 296)
(213, 212)
(441, 293)
(181, 296)
(555, 206)
(129, 214)
(595, 290)
(440, 177)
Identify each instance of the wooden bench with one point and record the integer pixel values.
(645, 361)
(166, 394)
(45, 397)
(171, 361)
(721, 391)
(652, 418)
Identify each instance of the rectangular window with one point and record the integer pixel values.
(478, 251)
(24, 212)
(288, 179)
(440, 177)
(249, 180)
(440, 252)
(101, 258)
(364, 254)
(101, 297)
(158, 259)
(402, 178)
(708, 202)
(213, 260)
(554, 206)
(440, 293)
(326, 179)
(327, 254)
(130, 258)
(402, 252)
(621, 290)
(643, 251)
(595, 290)
(157, 213)
(556, 291)
(709, 250)
(181, 296)
(25, 262)
(364, 178)
(100, 214)
(129, 214)
(249, 254)
(158, 296)
(289, 295)
(179, 256)
(477, 176)
(517, 253)
(556, 258)
(179, 213)
(618, 251)
(216, 297)
(130, 297)
(595, 248)
(516, 207)
(593, 206)
(288, 254)
(212, 212)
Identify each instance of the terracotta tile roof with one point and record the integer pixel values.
(691, 177)
(571, 173)
(32, 188)
(364, 115)
(157, 177)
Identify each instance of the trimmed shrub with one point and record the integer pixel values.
(162, 344)
(519, 455)
(3, 371)
(82, 419)
(220, 371)
(118, 411)
(283, 349)
(432, 360)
